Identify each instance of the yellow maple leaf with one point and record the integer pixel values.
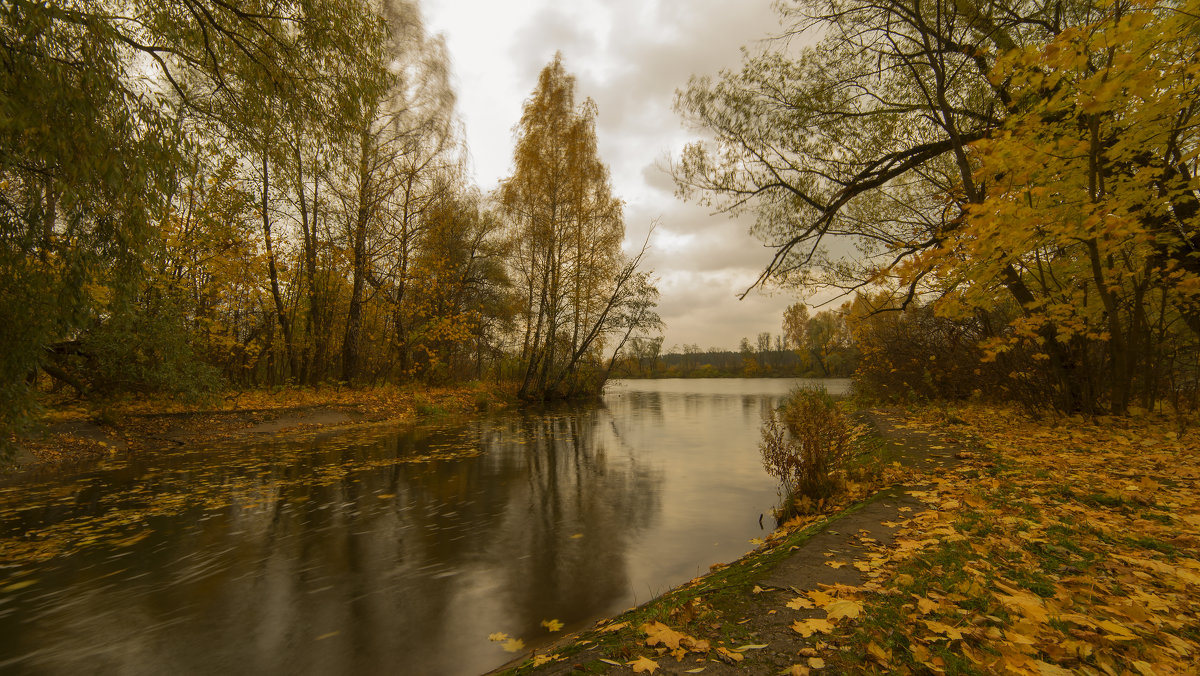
(799, 603)
(816, 663)
(657, 632)
(513, 645)
(498, 636)
(643, 663)
(807, 628)
(843, 609)
(552, 625)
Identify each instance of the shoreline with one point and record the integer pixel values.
(79, 433)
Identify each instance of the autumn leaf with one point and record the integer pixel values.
(799, 603)
(498, 636)
(816, 663)
(808, 627)
(944, 629)
(843, 609)
(882, 656)
(552, 625)
(729, 655)
(659, 633)
(643, 664)
(513, 645)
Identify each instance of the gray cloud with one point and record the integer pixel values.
(630, 56)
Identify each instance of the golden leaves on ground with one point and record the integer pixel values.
(1073, 546)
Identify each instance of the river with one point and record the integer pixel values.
(395, 550)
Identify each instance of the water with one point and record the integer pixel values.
(395, 551)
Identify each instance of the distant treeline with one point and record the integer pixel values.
(770, 357)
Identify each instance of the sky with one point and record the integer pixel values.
(629, 56)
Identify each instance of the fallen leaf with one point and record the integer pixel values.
(816, 663)
(944, 629)
(799, 603)
(843, 609)
(498, 636)
(730, 656)
(884, 657)
(552, 625)
(659, 633)
(513, 645)
(808, 627)
(643, 663)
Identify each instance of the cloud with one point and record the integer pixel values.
(629, 56)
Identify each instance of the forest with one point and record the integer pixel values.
(203, 196)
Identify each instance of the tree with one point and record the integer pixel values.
(567, 233)
(897, 132)
(93, 137)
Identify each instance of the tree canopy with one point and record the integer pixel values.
(1034, 155)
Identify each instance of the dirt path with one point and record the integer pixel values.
(745, 605)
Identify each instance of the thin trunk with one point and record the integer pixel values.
(280, 312)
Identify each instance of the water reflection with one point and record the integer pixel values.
(381, 551)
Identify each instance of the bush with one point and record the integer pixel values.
(805, 444)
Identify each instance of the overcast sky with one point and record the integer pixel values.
(630, 56)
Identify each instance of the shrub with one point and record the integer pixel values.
(805, 444)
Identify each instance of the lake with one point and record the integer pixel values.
(395, 550)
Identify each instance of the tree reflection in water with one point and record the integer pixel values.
(381, 550)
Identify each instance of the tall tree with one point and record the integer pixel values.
(568, 229)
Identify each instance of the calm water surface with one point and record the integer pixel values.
(393, 551)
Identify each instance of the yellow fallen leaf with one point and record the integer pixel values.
(659, 633)
(835, 564)
(513, 645)
(926, 605)
(816, 663)
(808, 627)
(843, 609)
(944, 629)
(1047, 669)
(730, 655)
(1116, 631)
(799, 603)
(552, 625)
(576, 536)
(643, 663)
(498, 636)
(884, 657)
(797, 670)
